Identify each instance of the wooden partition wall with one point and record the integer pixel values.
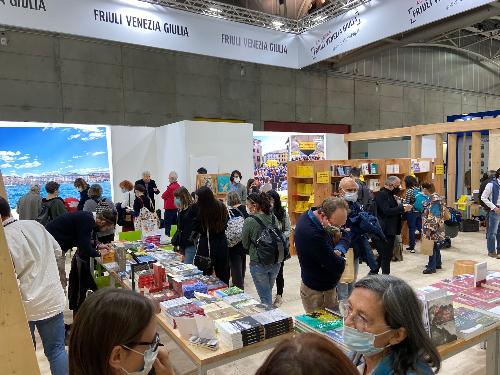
(17, 355)
(440, 131)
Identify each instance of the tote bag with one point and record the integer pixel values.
(427, 246)
(348, 275)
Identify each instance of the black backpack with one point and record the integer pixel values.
(367, 199)
(271, 246)
(481, 190)
(45, 216)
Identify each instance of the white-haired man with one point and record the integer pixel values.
(149, 185)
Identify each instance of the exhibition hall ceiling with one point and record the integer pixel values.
(208, 32)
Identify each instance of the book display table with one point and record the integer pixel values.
(203, 358)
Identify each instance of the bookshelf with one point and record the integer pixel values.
(311, 182)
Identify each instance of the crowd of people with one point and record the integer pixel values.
(217, 237)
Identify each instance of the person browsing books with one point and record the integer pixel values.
(383, 327)
(320, 246)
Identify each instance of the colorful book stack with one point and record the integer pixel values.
(241, 332)
(471, 322)
(182, 311)
(211, 282)
(340, 170)
(228, 292)
(319, 321)
(221, 311)
(188, 289)
(275, 322)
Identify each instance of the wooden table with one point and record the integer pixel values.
(492, 339)
(204, 359)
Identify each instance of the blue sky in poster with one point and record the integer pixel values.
(39, 151)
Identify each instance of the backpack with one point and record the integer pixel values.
(147, 221)
(234, 229)
(101, 206)
(481, 190)
(420, 198)
(45, 216)
(367, 199)
(271, 247)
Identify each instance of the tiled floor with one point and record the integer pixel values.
(465, 246)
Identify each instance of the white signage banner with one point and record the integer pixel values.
(142, 23)
(374, 21)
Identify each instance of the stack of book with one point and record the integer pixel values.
(340, 170)
(221, 311)
(275, 322)
(212, 282)
(241, 332)
(319, 321)
(182, 311)
(471, 322)
(228, 292)
(165, 305)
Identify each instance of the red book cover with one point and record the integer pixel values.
(462, 281)
(472, 302)
(448, 287)
(483, 294)
(492, 284)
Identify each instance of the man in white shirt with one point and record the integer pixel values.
(33, 251)
(491, 197)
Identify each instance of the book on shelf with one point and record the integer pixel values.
(425, 165)
(374, 184)
(304, 171)
(365, 168)
(392, 168)
(373, 168)
(347, 170)
(415, 166)
(472, 322)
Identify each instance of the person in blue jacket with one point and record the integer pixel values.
(320, 246)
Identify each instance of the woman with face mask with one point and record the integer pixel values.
(383, 327)
(115, 333)
(238, 187)
(186, 216)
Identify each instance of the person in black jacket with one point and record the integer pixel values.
(79, 229)
(83, 188)
(210, 224)
(141, 200)
(389, 211)
(237, 253)
(186, 216)
(149, 185)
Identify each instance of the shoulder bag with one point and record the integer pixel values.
(202, 262)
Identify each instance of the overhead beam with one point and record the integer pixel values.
(445, 127)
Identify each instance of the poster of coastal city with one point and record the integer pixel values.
(38, 154)
(273, 150)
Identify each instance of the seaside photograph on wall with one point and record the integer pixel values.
(33, 153)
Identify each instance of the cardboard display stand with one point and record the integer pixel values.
(17, 354)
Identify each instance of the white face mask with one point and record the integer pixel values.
(236, 180)
(362, 342)
(351, 197)
(149, 359)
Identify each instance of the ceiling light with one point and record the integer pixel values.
(215, 10)
(318, 18)
(277, 23)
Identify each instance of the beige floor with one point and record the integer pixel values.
(465, 246)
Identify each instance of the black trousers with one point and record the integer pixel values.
(385, 251)
(238, 264)
(280, 281)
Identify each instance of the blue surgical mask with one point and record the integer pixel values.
(361, 342)
(177, 202)
(149, 359)
(124, 190)
(351, 197)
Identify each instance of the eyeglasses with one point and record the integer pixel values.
(360, 322)
(152, 345)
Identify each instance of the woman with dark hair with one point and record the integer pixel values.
(307, 354)
(211, 223)
(186, 216)
(83, 188)
(263, 275)
(237, 186)
(237, 253)
(115, 333)
(383, 325)
(141, 200)
(285, 227)
(413, 217)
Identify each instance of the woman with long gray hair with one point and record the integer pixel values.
(383, 326)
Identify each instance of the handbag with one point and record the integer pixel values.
(348, 274)
(202, 262)
(427, 246)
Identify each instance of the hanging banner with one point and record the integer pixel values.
(374, 21)
(143, 23)
(146, 24)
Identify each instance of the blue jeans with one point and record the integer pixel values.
(189, 253)
(264, 278)
(170, 218)
(493, 233)
(363, 249)
(52, 333)
(414, 220)
(344, 290)
(435, 258)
